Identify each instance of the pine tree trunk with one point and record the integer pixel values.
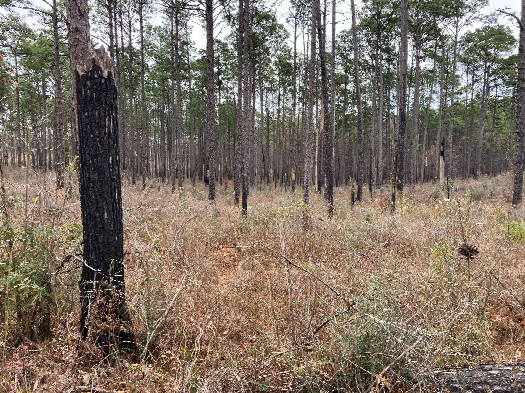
(449, 170)
(134, 162)
(193, 169)
(210, 100)
(482, 118)
(415, 118)
(245, 180)
(178, 106)
(399, 168)
(442, 98)
(379, 180)
(58, 147)
(43, 134)
(423, 162)
(102, 283)
(294, 131)
(18, 129)
(144, 138)
(328, 142)
(520, 114)
(360, 146)
(237, 166)
(309, 132)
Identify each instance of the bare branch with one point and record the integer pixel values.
(511, 14)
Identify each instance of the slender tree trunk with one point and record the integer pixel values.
(178, 107)
(193, 170)
(144, 137)
(442, 99)
(343, 155)
(360, 147)
(520, 115)
(239, 126)
(58, 139)
(134, 162)
(210, 100)
(399, 170)
(482, 118)
(328, 142)
(43, 135)
(293, 149)
(423, 162)
(380, 121)
(415, 118)
(449, 150)
(18, 129)
(247, 129)
(309, 132)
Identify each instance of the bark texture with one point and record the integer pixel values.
(399, 160)
(520, 113)
(360, 147)
(103, 309)
(495, 378)
(101, 200)
(210, 100)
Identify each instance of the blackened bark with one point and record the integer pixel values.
(101, 202)
(103, 309)
(520, 113)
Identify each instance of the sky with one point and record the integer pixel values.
(343, 17)
(282, 7)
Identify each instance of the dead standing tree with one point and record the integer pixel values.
(102, 282)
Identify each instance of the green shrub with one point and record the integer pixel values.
(514, 230)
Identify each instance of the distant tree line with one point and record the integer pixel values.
(260, 106)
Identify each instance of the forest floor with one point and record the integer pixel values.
(363, 301)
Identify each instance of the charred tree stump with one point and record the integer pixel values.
(493, 378)
(103, 308)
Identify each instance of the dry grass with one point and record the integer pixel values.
(210, 293)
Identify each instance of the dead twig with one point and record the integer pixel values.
(321, 326)
(348, 303)
(161, 320)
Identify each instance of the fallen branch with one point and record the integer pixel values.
(88, 389)
(321, 326)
